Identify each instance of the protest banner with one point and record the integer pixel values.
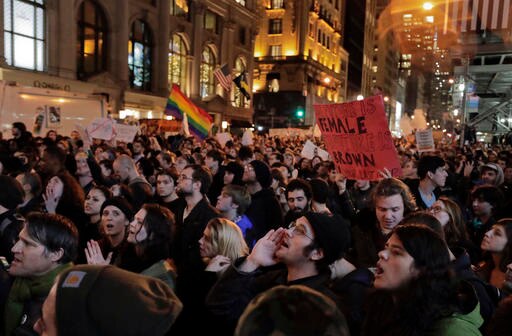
(247, 138)
(126, 133)
(310, 150)
(425, 140)
(358, 138)
(222, 138)
(101, 128)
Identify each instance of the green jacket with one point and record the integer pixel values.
(163, 270)
(460, 324)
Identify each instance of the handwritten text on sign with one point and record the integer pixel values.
(358, 138)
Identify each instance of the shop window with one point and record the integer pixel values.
(206, 82)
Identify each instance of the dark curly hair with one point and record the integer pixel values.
(417, 305)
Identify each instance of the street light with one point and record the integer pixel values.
(360, 97)
(428, 6)
(386, 99)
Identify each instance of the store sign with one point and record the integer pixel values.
(53, 86)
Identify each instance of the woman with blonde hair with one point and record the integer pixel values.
(221, 244)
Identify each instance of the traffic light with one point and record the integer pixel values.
(299, 112)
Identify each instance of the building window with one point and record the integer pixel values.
(24, 33)
(211, 22)
(275, 26)
(91, 40)
(242, 35)
(277, 4)
(275, 50)
(319, 36)
(206, 82)
(179, 8)
(239, 98)
(311, 32)
(177, 61)
(139, 56)
(241, 2)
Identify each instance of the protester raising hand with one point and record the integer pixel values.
(94, 255)
(53, 193)
(263, 252)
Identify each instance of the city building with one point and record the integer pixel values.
(130, 52)
(299, 61)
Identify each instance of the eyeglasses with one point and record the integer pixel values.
(185, 177)
(299, 230)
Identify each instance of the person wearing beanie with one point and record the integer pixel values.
(47, 245)
(282, 310)
(492, 174)
(265, 211)
(112, 248)
(233, 173)
(305, 250)
(11, 195)
(90, 300)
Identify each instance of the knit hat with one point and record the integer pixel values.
(236, 169)
(121, 203)
(106, 300)
(500, 177)
(332, 235)
(11, 193)
(289, 311)
(262, 172)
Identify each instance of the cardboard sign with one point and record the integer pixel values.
(126, 133)
(222, 138)
(310, 150)
(101, 128)
(247, 138)
(358, 138)
(425, 140)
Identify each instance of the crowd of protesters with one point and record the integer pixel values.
(169, 235)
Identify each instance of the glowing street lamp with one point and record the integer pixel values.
(428, 6)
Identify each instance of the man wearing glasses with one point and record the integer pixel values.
(304, 250)
(192, 185)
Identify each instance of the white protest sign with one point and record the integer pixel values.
(310, 150)
(222, 138)
(126, 133)
(425, 141)
(247, 138)
(101, 128)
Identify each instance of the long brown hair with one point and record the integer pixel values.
(455, 230)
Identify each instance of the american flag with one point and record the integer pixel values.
(477, 15)
(223, 75)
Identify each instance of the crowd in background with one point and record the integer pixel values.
(250, 239)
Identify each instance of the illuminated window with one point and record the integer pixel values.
(139, 56)
(276, 4)
(241, 2)
(275, 50)
(179, 8)
(91, 40)
(24, 33)
(211, 22)
(239, 98)
(177, 61)
(206, 83)
(275, 26)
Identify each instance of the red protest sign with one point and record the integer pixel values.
(358, 138)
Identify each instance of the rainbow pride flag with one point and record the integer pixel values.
(178, 105)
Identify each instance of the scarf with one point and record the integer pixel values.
(23, 290)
